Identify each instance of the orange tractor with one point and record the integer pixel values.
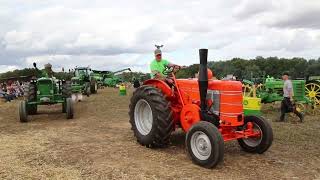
(209, 111)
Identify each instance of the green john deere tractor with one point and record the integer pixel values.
(111, 80)
(45, 91)
(272, 91)
(99, 77)
(82, 82)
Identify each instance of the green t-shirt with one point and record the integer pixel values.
(158, 66)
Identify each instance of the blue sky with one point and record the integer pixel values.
(109, 35)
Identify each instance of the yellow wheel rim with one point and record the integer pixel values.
(313, 92)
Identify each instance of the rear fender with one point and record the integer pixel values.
(163, 86)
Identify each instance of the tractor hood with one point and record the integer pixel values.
(44, 79)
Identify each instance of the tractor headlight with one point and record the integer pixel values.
(38, 92)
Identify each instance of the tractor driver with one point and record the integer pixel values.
(158, 65)
(48, 70)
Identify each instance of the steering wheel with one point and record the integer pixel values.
(169, 70)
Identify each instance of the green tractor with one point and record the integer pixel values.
(83, 83)
(111, 80)
(45, 91)
(272, 91)
(99, 77)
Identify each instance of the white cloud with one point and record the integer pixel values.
(112, 35)
(4, 68)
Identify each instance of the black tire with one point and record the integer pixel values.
(93, 87)
(216, 141)
(261, 144)
(30, 92)
(64, 109)
(30, 96)
(66, 89)
(32, 109)
(87, 91)
(162, 122)
(69, 108)
(23, 115)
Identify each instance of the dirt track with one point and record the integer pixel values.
(98, 144)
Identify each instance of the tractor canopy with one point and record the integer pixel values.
(82, 73)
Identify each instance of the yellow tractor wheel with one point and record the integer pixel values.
(313, 92)
(314, 110)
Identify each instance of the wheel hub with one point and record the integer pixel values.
(312, 94)
(254, 141)
(143, 117)
(200, 145)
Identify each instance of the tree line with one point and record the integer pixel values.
(258, 67)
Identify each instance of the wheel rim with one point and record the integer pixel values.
(254, 141)
(201, 145)
(313, 92)
(143, 117)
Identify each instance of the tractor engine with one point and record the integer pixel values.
(223, 99)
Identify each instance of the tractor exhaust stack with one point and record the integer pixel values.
(203, 88)
(203, 78)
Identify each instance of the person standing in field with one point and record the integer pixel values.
(287, 104)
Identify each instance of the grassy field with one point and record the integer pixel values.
(99, 144)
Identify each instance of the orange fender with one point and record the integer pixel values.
(189, 115)
(163, 86)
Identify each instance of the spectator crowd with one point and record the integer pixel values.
(11, 90)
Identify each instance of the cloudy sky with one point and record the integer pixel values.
(109, 35)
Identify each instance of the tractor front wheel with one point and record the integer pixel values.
(23, 114)
(69, 108)
(205, 144)
(150, 117)
(257, 144)
(93, 87)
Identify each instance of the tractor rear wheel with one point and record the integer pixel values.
(69, 108)
(93, 87)
(87, 91)
(23, 114)
(30, 91)
(32, 110)
(150, 117)
(66, 89)
(257, 144)
(205, 144)
(30, 95)
(64, 109)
